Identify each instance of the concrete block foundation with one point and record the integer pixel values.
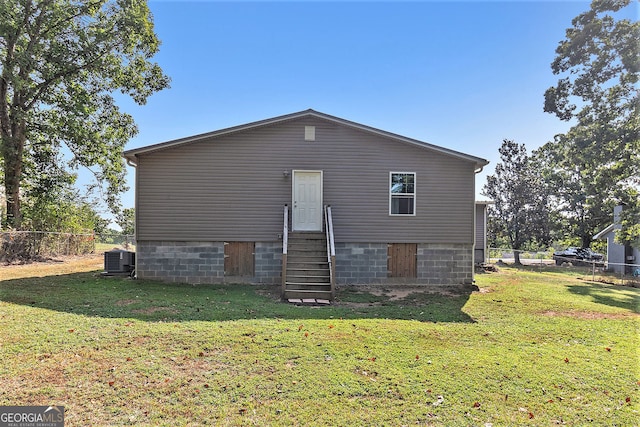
(356, 263)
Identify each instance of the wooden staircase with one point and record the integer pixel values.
(307, 267)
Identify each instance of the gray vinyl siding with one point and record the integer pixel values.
(480, 248)
(480, 226)
(232, 188)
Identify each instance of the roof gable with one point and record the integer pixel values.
(131, 154)
(602, 234)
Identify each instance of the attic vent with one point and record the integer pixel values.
(309, 133)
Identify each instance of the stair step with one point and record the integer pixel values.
(305, 275)
(301, 256)
(308, 265)
(307, 293)
(309, 243)
(308, 275)
(306, 257)
(303, 286)
(312, 301)
(289, 292)
(307, 254)
(324, 273)
(307, 251)
(303, 272)
(307, 235)
(301, 294)
(309, 280)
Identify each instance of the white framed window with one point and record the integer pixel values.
(402, 193)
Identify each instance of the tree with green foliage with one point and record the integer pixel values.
(64, 211)
(60, 63)
(597, 163)
(519, 214)
(630, 221)
(572, 192)
(127, 221)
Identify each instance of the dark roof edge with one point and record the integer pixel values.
(130, 154)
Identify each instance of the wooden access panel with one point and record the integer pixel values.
(401, 260)
(239, 258)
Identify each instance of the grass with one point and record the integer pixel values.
(528, 347)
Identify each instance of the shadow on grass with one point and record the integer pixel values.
(602, 294)
(625, 297)
(115, 297)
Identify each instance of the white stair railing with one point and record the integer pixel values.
(285, 242)
(331, 248)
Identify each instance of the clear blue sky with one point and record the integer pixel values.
(462, 75)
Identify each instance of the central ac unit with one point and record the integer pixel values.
(119, 261)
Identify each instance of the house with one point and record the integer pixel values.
(618, 255)
(211, 207)
(480, 249)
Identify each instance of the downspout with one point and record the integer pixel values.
(473, 246)
(134, 164)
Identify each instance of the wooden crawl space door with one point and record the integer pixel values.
(401, 260)
(239, 259)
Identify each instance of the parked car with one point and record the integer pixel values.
(578, 254)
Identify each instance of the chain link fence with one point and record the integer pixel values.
(599, 270)
(21, 246)
(106, 242)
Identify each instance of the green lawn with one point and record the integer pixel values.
(527, 348)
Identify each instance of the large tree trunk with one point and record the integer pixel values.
(516, 244)
(516, 257)
(12, 153)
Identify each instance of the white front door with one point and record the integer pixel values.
(307, 201)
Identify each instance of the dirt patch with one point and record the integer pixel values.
(399, 292)
(378, 294)
(125, 302)
(272, 292)
(589, 315)
(390, 293)
(53, 266)
(629, 283)
(49, 260)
